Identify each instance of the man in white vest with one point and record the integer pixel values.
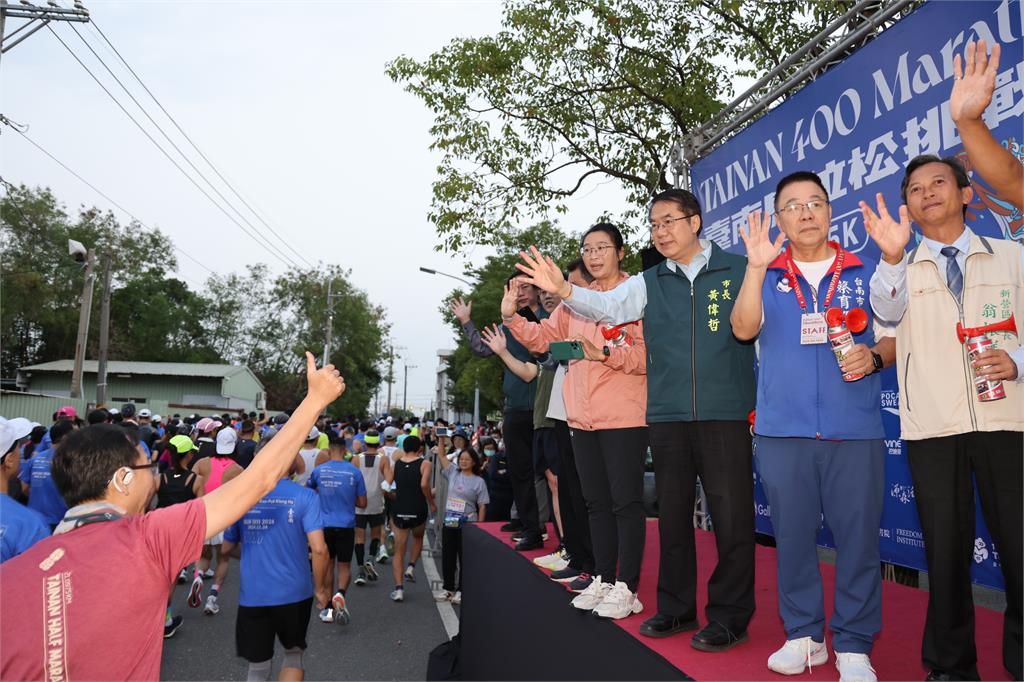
(955, 276)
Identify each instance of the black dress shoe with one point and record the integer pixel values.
(512, 527)
(660, 625)
(717, 637)
(526, 544)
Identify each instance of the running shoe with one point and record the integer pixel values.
(341, 615)
(195, 593)
(410, 573)
(555, 561)
(209, 573)
(389, 544)
(443, 595)
(457, 598)
(581, 583)
(619, 602)
(566, 575)
(326, 615)
(169, 630)
(183, 576)
(588, 599)
(397, 594)
(212, 608)
(382, 553)
(360, 578)
(371, 572)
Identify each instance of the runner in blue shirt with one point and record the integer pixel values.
(342, 489)
(277, 591)
(42, 493)
(20, 527)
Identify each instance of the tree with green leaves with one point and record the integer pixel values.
(572, 91)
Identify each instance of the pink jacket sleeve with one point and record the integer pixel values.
(537, 336)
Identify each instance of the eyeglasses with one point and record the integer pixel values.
(152, 466)
(588, 251)
(796, 209)
(667, 222)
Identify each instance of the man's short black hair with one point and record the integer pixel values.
(578, 265)
(61, 429)
(87, 459)
(98, 416)
(684, 200)
(959, 172)
(412, 444)
(248, 426)
(799, 176)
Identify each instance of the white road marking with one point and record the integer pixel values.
(444, 609)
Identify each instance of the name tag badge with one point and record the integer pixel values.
(813, 329)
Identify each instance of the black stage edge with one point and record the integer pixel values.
(516, 624)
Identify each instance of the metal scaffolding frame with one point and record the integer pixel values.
(847, 33)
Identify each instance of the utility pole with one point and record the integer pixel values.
(476, 405)
(83, 325)
(37, 17)
(405, 388)
(391, 368)
(101, 371)
(330, 323)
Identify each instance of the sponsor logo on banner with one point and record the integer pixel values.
(891, 402)
(980, 550)
(764, 510)
(884, 533)
(906, 536)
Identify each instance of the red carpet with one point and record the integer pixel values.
(896, 655)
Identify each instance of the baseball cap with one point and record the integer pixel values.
(372, 438)
(11, 431)
(226, 441)
(314, 433)
(112, 410)
(391, 433)
(407, 426)
(145, 413)
(183, 444)
(67, 411)
(206, 425)
(157, 418)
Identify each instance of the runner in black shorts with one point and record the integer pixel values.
(409, 489)
(256, 627)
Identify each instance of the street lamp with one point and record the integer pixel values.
(431, 271)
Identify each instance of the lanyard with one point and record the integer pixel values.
(795, 283)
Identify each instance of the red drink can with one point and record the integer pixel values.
(842, 341)
(987, 390)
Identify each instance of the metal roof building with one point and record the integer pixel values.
(228, 387)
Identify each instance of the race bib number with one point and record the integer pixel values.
(454, 512)
(813, 329)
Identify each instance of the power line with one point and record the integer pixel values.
(194, 146)
(266, 246)
(170, 141)
(105, 196)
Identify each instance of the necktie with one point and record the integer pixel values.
(954, 278)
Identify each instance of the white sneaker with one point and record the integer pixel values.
(457, 598)
(796, 655)
(410, 574)
(212, 608)
(618, 602)
(555, 561)
(397, 595)
(855, 668)
(341, 615)
(588, 599)
(382, 555)
(326, 616)
(443, 595)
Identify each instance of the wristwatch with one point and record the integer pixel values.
(607, 351)
(877, 360)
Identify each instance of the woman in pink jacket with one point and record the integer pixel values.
(605, 404)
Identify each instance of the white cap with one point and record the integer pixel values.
(390, 433)
(157, 418)
(11, 431)
(226, 441)
(145, 413)
(314, 433)
(114, 410)
(407, 427)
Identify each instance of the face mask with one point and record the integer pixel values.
(489, 453)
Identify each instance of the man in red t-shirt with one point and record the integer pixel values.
(67, 616)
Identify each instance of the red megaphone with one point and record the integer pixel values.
(855, 319)
(1008, 325)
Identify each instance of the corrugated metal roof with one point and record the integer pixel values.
(180, 369)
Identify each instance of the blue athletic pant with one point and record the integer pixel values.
(845, 480)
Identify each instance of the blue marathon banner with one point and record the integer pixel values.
(857, 126)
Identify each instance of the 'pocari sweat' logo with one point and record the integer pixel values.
(980, 550)
(903, 493)
(891, 402)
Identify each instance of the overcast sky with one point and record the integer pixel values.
(291, 102)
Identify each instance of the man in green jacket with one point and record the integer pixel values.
(700, 391)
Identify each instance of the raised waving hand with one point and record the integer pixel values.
(543, 273)
(761, 250)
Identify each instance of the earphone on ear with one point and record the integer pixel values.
(127, 479)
